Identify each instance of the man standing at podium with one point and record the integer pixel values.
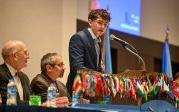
(85, 46)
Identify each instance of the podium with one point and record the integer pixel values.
(131, 87)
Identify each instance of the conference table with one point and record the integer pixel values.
(77, 108)
(152, 106)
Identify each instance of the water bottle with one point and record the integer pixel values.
(51, 95)
(11, 93)
(75, 99)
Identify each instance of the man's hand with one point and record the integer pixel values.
(60, 102)
(84, 101)
(103, 67)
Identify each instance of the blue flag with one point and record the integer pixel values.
(166, 61)
(108, 63)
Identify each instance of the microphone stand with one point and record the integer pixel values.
(124, 44)
(139, 57)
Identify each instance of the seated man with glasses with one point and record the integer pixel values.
(52, 67)
(15, 56)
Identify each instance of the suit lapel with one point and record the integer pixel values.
(92, 46)
(61, 89)
(22, 83)
(25, 86)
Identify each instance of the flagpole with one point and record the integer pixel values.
(167, 32)
(166, 61)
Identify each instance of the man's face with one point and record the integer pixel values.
(58, 68)
(98, 26)
(21, 57)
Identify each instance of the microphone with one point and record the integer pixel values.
(113, 37)
(124, 43)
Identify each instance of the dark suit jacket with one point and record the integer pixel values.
(5, 76)
(40, 84)
(82, 54)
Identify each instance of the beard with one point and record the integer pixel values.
(61, 73)
(100, 34)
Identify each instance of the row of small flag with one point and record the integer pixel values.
(93, 84)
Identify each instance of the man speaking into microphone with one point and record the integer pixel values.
(85, 46)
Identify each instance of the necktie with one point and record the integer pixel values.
(19, 85)
(97, 47)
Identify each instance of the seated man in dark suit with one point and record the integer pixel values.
(52, 67)
(15, 56)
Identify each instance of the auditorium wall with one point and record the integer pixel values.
(44, 25)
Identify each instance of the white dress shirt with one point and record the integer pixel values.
(14, 73)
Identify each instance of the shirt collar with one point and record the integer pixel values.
(92, 34)
(11, 69)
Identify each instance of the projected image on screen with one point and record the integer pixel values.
(125, 14)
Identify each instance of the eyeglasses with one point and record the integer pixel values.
(23, 52)
(101, 22)
(59, 65)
